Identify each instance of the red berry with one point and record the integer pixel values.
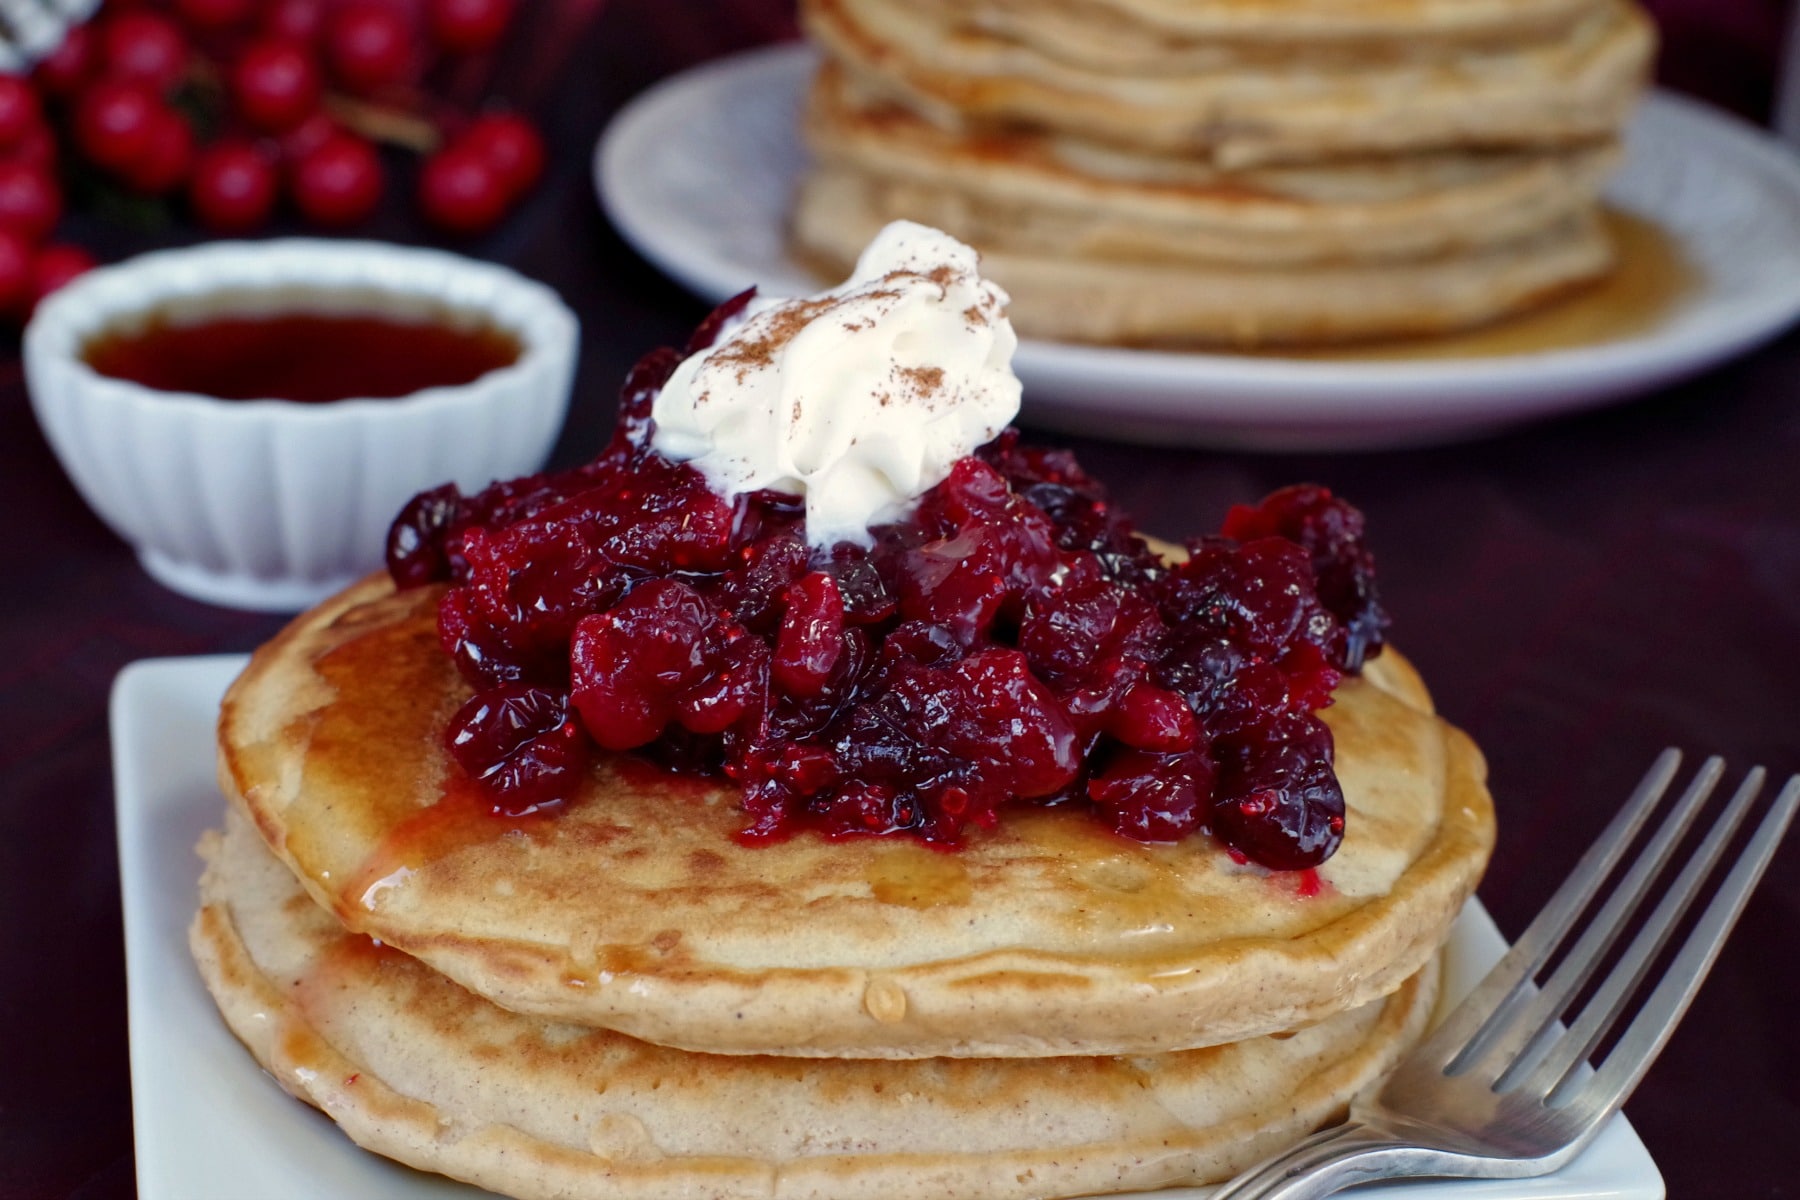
(70, 65)
(339, 183)
(511, 145)
(460, 192)
(233, 189)
(468, 26)
(36, 149)
(276, 85)
(214, 14)
(15, 274)
(370, 46)
(54, 266)
(113, 120)
(307, 136)
(144, 46)
(19, 111)
(811, 636)
(30, 204)
(168, 155)
(296, 20)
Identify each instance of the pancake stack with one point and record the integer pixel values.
(1229, 172)
(621, 1000)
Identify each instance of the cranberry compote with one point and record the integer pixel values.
(1013, 640)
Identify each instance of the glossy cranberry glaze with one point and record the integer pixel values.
(1013, 641)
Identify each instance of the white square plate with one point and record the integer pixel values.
(210, 1125)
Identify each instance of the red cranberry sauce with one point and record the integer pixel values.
(1014, 640)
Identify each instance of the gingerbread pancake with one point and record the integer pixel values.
(1576, 85)
(635, 909)
(1119, 31)
(1181, 301)
(1024, 192)
(416, 1068)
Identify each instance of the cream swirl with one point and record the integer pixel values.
(860, 398)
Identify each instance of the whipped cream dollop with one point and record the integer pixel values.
(860, 398)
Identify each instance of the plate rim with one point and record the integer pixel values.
(151, 706)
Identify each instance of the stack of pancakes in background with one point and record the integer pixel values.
(1236, 172)
(620, 999)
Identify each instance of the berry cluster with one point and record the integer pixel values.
(234, 103)
(31, 203)
(1012, 640)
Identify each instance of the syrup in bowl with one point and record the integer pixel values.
(312, 350)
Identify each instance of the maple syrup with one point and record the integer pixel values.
(301, 356)
(915, 877)
(1649, 280)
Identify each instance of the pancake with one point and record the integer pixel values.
(1122, 36)
(1170, 301)
(1069, 197)
(416, 1068)
(1287, 21)
(1572, 88)
(636, 910)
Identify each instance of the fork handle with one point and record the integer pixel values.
(1339, 1157)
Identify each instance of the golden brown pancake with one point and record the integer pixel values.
(1032, 192)
(1575, 86)
(636, 910)
(1380, 23)
(416, 1068)
(1185, 302)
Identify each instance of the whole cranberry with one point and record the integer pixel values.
(36, 149)
(460, 192)
(15, 274)
(307, 136)
(630, 664)
(340, 183)
(30, 203)
(1154, 797)
(276, 85)
(468, 26)
(20, 114)
(113, 120)
(56, 264)
(296, 20)
(168, 155)
(214, 14)
(811, 637)
(65, 69)
(369, 45)
(522, 744)
(144, 46)
(233, 188)
(511, 145)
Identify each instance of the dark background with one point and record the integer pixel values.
(1578, 594)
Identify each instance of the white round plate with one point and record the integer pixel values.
(697, 174)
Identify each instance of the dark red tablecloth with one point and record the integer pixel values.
(1579, 594)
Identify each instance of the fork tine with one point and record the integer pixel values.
(1458, 1037)
(1508, 1046)
(1644, 1039)
(1603, 1007)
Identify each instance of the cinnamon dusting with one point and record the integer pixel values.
(785, 323)
(925, 381)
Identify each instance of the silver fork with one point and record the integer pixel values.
(1502, 1089)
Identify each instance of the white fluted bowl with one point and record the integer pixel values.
(270, 504)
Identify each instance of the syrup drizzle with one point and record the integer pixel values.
(1652, 277)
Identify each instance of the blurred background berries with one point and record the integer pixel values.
(234, 114)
